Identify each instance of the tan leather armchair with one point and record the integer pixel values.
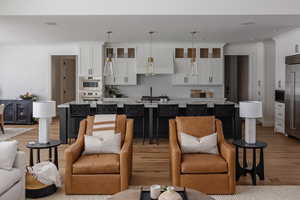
(99, 173)
(211, 174)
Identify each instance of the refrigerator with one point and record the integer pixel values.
(292, 96)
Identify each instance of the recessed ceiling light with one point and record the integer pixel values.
(247, 23)
(51, 23)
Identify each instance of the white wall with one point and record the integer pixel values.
(27, 68)
(285, 46)
(148, 7)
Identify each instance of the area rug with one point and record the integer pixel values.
(12, 132)
(283, 192)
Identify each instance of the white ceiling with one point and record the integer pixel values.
(216, 28)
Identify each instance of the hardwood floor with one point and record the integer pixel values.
(151, 162)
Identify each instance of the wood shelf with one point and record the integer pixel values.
(191, 53)
(131, 52)
(179, 52)
(216, 52)
(120, 53)
(204, 53)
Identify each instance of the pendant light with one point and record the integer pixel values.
(193, 63)
(150, 59)
(109, 64)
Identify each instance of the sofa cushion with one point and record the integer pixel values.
(196, 126)
(7, 159)
(8, 178)
(203, 163)
(97, 164)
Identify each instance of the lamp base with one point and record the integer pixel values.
(250, 130)
(44, 130)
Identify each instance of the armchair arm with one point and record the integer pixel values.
(126, 156)
(228, 153)
(71, 154)
(175, 154)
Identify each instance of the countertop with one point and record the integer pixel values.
(181, 102)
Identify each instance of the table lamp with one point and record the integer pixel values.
(250, 110)
(44, 110)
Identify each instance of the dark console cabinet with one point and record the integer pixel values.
(17, 111)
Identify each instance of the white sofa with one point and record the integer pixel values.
(12, 182)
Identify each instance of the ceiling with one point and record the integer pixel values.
(134, 28)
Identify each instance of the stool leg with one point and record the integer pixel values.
(157, 133)
(143, 130)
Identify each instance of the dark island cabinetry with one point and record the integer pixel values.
(17, 111)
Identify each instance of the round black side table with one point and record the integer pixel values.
(52, 144)
(256, 169)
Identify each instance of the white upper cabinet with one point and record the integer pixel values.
(209, 68)
(90, 59)
(124, 66)
(163, 59)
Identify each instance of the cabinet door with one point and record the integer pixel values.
(85, 64)
(23, 112)
(163, 60)
(217, 71)
(204, 70)
(9, 112)
(90, 60)
(125, 73)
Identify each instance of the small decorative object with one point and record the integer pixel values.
(155, 191)
(44, 110)
(170, 194)
(28, 96)
(112, 91)
(250, 110)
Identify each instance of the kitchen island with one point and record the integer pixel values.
(67, 124)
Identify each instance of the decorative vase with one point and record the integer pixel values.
(170, 194)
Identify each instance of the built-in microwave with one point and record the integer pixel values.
(279, 96)
(90, 83)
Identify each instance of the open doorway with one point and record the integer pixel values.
(63, 78)
(237, 78)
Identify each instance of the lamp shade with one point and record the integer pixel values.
(44, 109)
(250, 109)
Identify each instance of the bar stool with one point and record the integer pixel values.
(166, 111)
(106, 109)
(136, 111)
(77, 113)
(226, 112)
(197, 110)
